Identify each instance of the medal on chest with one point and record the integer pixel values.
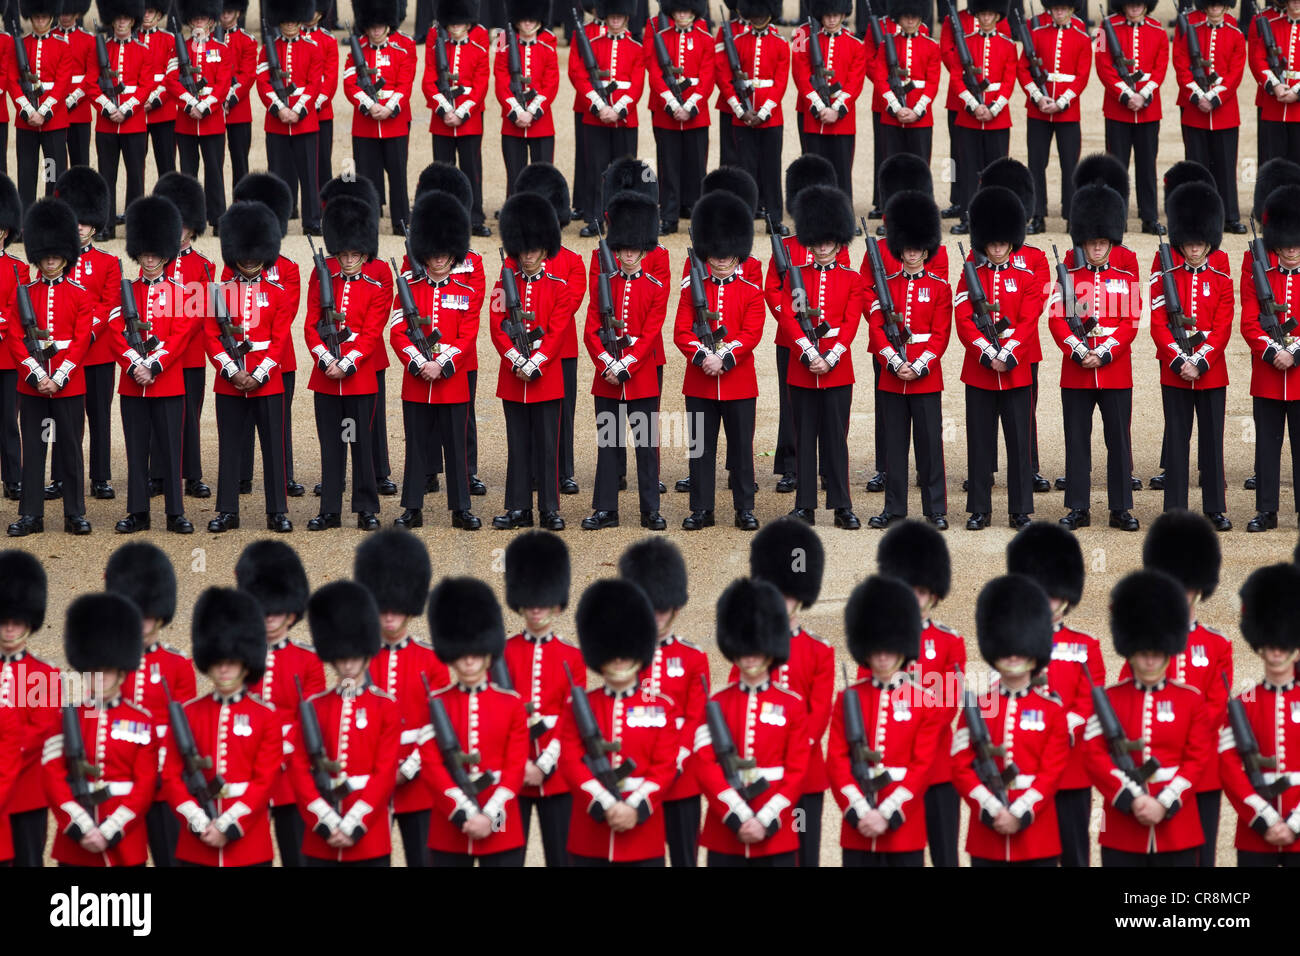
(1165, 711)
(930, 653)
(646, 715)
(243, 726)
(155, 675)
(1295, 711)
(923, 295)
(362, 720)
(771, 713)
(133, 731)
(1198, 656)
(1031, 719)
(673, 667)
(902, 709)
(1009, 285)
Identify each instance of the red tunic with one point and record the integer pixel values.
(739, 304)
(364, 303)
(194, 271)
(1015, 294)
(1066, 55)
(1286, 33)
(765, 58)
(144, 688)
(285, 273)
(244, 50)
(640, 304)
(580, 103)
(625, 61)
(920, 60)
(536, 667)
(468, 59)
(567, 264)
(258, 315)
(995, 58)
(537, 62)
(543, 295)
(162, 49)
(1225, 48)
(9, 324)
(398, 669)
(100, 274)
(51, 58)
(30, 687)
(1265, 380)
(450, 307)
(925, 303)
(216, 64)
(285, 661)
(846, 61)
(1206, 296)
(773, 290)
(161, 304)
(1148, 46)
(948, 51)
(329, 84)
(1270, 711)
(395, 67)
(11, 767)
(836, 291)
(675, 670)
(1113, 298)
(301, 59)
(64, 310)
(1075, 656)
(691, 51)
(84, 82)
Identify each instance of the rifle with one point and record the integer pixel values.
(861, 757)
(454, 759)
(597, 747)
(110, 84)
(671, 72)
(236, 349)
(822, 79)
(80, 770)
(331, 323)
(900, 82)
(1273, 318)
(729, 759)
(29, 83)
(780, 254)
(1121, 748)
(970, 77)
(895, 330)
(191, 76)
(703, 328)
(613, 331)
(602, 83)
(134, 329)
(1020, 31)
(981, 742)
(1276, 65)
(368, 78)
(1175, 318)
(520, 85)
(1070, 308)
(739, 78)
(1248, 750)
(515, 322)
(804, 315)
(322, 768)
(982, 312)
(426, 345)
(202, 790)
(1202, 74)
(501, 677)
(447, 81)
(281, 82)
(1125, 66)
(416, 268)
(33, 335)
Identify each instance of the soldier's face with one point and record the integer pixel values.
(683, 18)
(107, 682)
(458, 31)
(67, 21)
(538, 619)
(201, 24)
(913, 259)
(925, 600)
(723, 267)
(1059, 606)
(249, 268)
(531, 261)
(52, 266)
(85, 233)
(630, 259)
(1014, 667)
(759, 23)
(122, 27)
(1061, 15)
(1096, 251)
(438, 266)
(824, 252)
(753, 667)
(620, 672)
(152, 18)
(13, 635)
(664, 621)
(1215, 11)
(392, 625)
(1195, 253)
(230, 19)
(350, 668)
(909, 23)
(1277, 660)
(529, 28)
(831, 22)
(351, 262)
(1289, 256)
(1292, 9)
(41, 23)
(149, 627)
(227, 676)
(1135, 11)
(615, 23)
(998, 252)
(1148, 666)
(471, 668)
(290, 29)
(151, 264)
(884, 664)
(988, 20)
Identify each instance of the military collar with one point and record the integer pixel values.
(754, 688)
(279, 645)
(1098, 268)
(152, 648)
(689, 29)
(359, 274)
(377, 46)
(1278, 688)
(87, 247)
(761, 31)
(1056, 626)
(472, 689)
(623, 694)
(1288, 272)
(57, 279)
(1151, 688)
(1014, 694)
(240, 277)
(292, 39)
(437, 283)
(912, 276)
(988, 264)
(665, 641)
(120, 40)
(539, 640)
(354, 689)
(14, 657)
(895, 681)
(525, 277)
(826, 268)
(628, 277)
(144, 33)
(185, 252)
(1196, 270)
(397, 645)
(234, 698)
(160, 277)
(112, 702)
(729, 279)
(827, 33)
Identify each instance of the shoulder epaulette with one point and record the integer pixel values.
(302, 645)
(1212, 630)
(381, 693)
(1178, 683)
(1048, 694)
(253, 697)
(939, 626)
(74, 283)
(134, 706)
(503, 690)
(785, 690)
(425, 644)
(691, 644)
(816, 637)
(653, 279)
(271, 282)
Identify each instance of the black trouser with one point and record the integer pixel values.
(976, 148)
(1208, 803)
(294, 159)
(1276, 138)
(682, 831)
(569, 367)
(553, 815)
(837, 149)
(759, 152)
(942, 821)
(954, 186)
(325, 156)
(504, 859)
(1077, 406)
(99, 415)
(915, 139)
(810, 837)
(67, 417)
(53, 144)
(681, 159)
(581, 188)
(159, 421)
(184, 864)
(246, 453)
(878, 153)
(1123, 858)
(1033, 414)
(604, 144)
(1245, 858)
(1271, 417)
(29, 830)
(467, 153)
(372, 863)
(377, 157)
(821, 425)
(596, 862)
(379, 429)
(1042, 861)
(783, 860)
(784, 461)
(866, 858)
(1069, 139)
(239, 139)
(919, 418)
(1216, 150)
(1073, 816)
(518, 151)
(78, 144)
(191, 457)
(727, 155)
(212, 148)
(289, 832)
(414, 827)
(614, 419)
(429, 427)
(703, 418)
(984, 409)
(1209, 405)
(1142, 140)
(162, 138)
(532, 449)
(11, 449)
(237, 416)
(343, 423)
(164, 829)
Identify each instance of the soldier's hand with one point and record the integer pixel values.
(983, 114)
(682, 115)
(431, 372)
(453, 119)
(1285, 94)
(477, 827)
(243, 381)
(1189, 372)
(213, 837)
(907, 116)
(608, 115)
(335, 372)
(873, 824)
(828, 115)
(1005, 823)
(142, 376)
(340, 840)
(533, 775)
(620, 817)
(94, 842)
(37, 118)
(907, 374)
(287, 115)
(1147, 810)
(1049, 106)
(819, 366)
(998, 365)
(712, 365)
(378, 112)
(751, 831)
(1283, 361)
(524, 119)
(611, 378)
(1203, 104)
(1279, 834)
(47, 386)
(751, 119)
(1091, 360)
(1137, 104)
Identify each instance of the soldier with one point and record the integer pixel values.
(317, 32)
(1147, 822)
(436, 400)
(1051, 555)
(272, 572)
(767, 725)
(52, 390)
(537, 589)
(236, 732)
(581, 187)
(360, 731)
(1103, 169)
(884, 823)
(343, 377)
(200, 119)
(1027, 723)
(830, 128)
(1097, 368)
(1276, 96)
(249, 387)
(41, 127)
(626, 385)
(238, 103)
(1132, 102)
(528, 128)
(910, 392)
(1267, 821)
(101, 640)
(679, 666)
(292, 121)
(394, 567)
(530, 386)
(12, 271)
(907, 124)
(160, 105)
(1195, 382)
(150, 347)
(81, 43)
(23, 598)
(821, 382)
(457, 113)
(997, 382)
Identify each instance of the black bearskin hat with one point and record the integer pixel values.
(904, 172)
(528, 222)
(249, 233)
(1051, 556)
(1012, 174)
(153, 227)
(1281, 219)
(38, 8)
(987, 6)
(272, 572)
(1116, 7)
(1105, 169)
(912, 222)
(439, 227)
(539, 10)
(1096, 212)
(1266, 613)
(373, 13)
(465, 620)
(823, 214)
(23, 589)
(1184, 171)
(722, 226)
(546, 180)
(656, 565)
(344, 621)
(448, 179)
(1185, 546)
(611, 8)
(752, 619)
(1014, 619)
(615, 620)
(276, 12)
(1203, 4)
(229, 625)
(759, 8)
(1195, 214)
(537, 571)
(395, 566)
(142, 572)
(76, 8)
(632, 222)
(698, 7)
(102, 632)
(1278, 171)
(186, 194)
(240, 5)
(788, 554)
(628, 173)
(85, 191)
(351, 225)
(1148, 612)
(882, 615)
(189, 10)
(271, 191)
(820, 8)
(110, 10)
(735, 180)
(997, 216)
(50, 229)
(808, 170)
(907, 8)
(358, 187)
(11, 210)
(915, 552)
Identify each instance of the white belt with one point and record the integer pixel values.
(79, 79)
(259, 346)
(832, 333)
(632, 783)
(1007, 332)
(622, 84)
(117, 788)
(895, 773)
(766, 773)
(1022, 781)
(409, 736)
(129, 89)
(919, 337)
(61, 344)
(47, 86)
(1164, 775)
(356, 783)
(1102, 333)
(235, 789)
(762, 84)
(993, 87)
(1291, 778)
(918, 84)
(1291, 74)
(1060, 77)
